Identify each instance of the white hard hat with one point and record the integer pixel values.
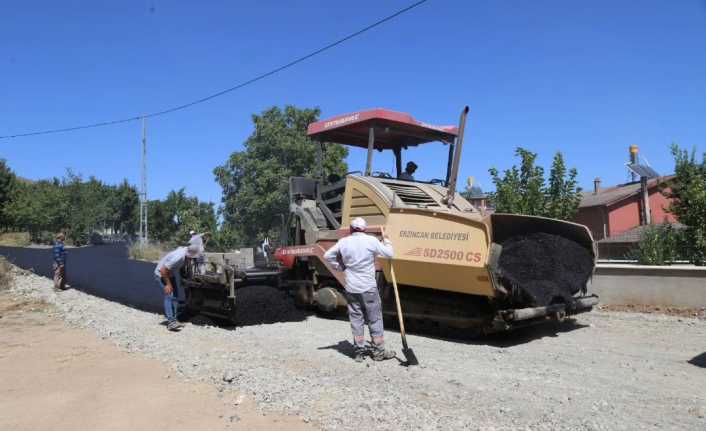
(359, 223)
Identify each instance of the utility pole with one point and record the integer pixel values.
(143, 187)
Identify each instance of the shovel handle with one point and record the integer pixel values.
(399, 306)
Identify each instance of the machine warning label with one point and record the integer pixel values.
(447, 236)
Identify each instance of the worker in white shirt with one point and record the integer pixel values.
(355, 255)
(166, 274)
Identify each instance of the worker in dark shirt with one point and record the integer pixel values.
(59, 262)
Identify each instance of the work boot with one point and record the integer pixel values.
(359, 354)
(173, 326)
(382, 354)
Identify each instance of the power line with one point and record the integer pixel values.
(227, 90)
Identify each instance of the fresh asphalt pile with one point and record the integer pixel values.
(545, 267)
(607, 371)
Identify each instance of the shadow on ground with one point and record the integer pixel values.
(527, 335)
(698, 360)
(347, 349)
(343, 347)
(502, 340)
(257, 305)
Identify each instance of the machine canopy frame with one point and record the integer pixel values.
(382, 129)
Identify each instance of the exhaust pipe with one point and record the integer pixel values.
(453, 177)
(558, 310)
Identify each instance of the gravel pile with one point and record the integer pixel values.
(607, 371)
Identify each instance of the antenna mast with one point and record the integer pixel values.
(143, 187)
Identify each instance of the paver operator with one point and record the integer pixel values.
(408, 174)
(166, 272)
(355, 255)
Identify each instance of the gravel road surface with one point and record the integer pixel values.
(605, 371)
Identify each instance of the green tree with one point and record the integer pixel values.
(562, 194)
(255, 180)
(160, 224)
(123, 204)
(7, 190)
(171, 220)
(38, 207)
(688, 194)
(70, 204)
(523, 191)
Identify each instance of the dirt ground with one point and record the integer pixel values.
(697, 313)
(599, 371)
(59, 378)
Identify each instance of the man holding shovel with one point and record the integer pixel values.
(355, 255)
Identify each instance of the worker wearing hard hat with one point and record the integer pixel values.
(199, 240)
(408, 174)
(355, 255)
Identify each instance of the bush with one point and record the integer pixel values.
(96, 238)
(151, 252)
(659, 245)
(44, 237)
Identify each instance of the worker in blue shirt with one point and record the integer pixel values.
(59, 262)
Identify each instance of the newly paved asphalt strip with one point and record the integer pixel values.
(102, 270)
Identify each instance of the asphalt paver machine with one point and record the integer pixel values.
(457, 266)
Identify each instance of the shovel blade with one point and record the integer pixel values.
(411, 358)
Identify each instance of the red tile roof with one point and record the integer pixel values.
(612, 195)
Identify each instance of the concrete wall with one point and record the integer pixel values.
(674, 286)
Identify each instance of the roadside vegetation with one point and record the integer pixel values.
(666, 244)
(688, 193)
(15, 239)
(151, 252)
(659, 245)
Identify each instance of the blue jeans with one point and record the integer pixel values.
(170, 300)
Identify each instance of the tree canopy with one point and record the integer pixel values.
(255, 180)
(171, 219)
(72, 204)
(7, 191)
(523, 189)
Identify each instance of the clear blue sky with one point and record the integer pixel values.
(586, 78)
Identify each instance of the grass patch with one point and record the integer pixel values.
(15, 239)
(6, 277)
(151, 252)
